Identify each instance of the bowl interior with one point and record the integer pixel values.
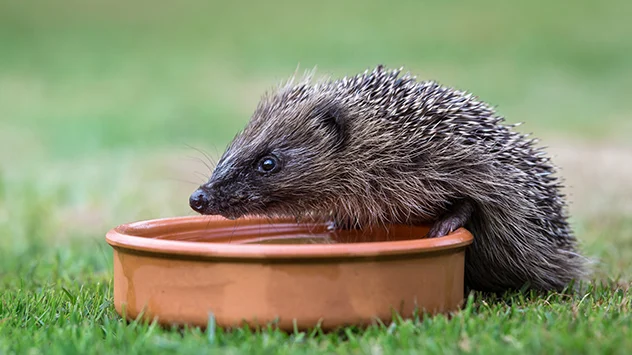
(275, 239)
(265, 231)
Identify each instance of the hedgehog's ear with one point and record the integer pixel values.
(333, 118)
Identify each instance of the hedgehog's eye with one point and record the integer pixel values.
(268, 164)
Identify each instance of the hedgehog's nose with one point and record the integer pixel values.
(199, 201)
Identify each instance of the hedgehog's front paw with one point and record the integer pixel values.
(343, 224)
(459, 213)
(444, 227)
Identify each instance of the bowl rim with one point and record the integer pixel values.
(122, 237)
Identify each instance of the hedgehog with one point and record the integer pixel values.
(382, 147)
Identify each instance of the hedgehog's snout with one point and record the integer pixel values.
(210, 199)
(201, 201)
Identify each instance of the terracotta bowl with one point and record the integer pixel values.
(260, 271)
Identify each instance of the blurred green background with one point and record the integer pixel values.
(104, 103)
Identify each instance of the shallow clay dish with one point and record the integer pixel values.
(260, 271)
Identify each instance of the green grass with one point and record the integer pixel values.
(79, 319)
(102, 103)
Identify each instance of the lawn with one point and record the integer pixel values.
(105, 107)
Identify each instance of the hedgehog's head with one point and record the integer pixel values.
(284, 161)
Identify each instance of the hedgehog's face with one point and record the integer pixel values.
(281, 164)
